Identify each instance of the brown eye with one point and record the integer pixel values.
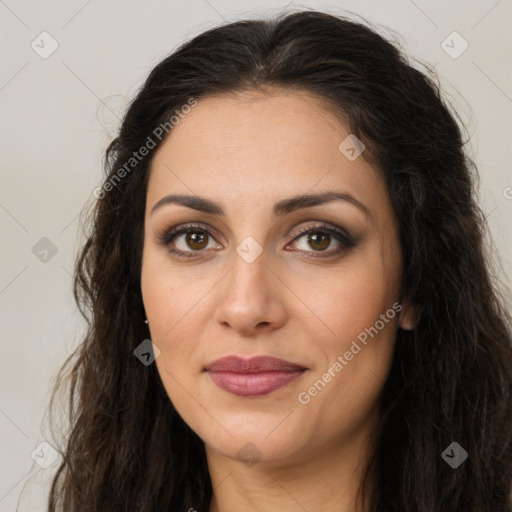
(187, 241)
(196, 240)
(184, 241)
(318, 240)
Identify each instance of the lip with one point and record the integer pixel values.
(252, 365)
(256, 376)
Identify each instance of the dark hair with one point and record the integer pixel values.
(451, 377)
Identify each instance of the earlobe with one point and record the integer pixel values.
(409, 317)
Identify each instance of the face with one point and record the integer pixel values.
(307, 283)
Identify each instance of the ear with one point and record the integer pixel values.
(409, 316)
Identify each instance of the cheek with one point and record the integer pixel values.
(168, 293)
(171, 308)
(347, 301)
(358, 308)
(344, 389)
(169, 304)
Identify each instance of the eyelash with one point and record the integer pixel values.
(167, 236)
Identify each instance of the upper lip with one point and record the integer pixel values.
(252, 365)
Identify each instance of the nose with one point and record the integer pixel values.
(252, 298)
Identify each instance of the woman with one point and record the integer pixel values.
(289, 302)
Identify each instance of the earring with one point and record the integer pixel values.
(146, 321)
(406, 325)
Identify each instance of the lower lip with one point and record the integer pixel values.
(253, 384)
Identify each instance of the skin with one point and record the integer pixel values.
(249, 151)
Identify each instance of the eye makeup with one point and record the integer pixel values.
(317, 233)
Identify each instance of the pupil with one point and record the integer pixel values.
(193, 237)
(322, 243)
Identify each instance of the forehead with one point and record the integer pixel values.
(252, 147)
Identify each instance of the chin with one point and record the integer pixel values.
(258, 443)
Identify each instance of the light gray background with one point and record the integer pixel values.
(58, 115)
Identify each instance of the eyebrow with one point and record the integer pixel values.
(281, 208)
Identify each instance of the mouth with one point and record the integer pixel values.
(253, 377)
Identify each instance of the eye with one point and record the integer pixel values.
(187, 239)
(194, 236)
(319, 238)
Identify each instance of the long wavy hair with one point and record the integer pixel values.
(451, 378)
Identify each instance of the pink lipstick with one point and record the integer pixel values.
(257, 376)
